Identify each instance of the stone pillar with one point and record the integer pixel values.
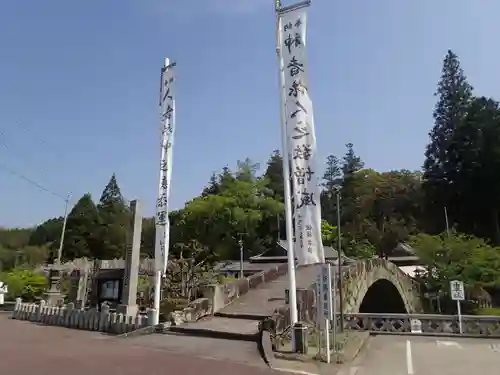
(132, 259)
(82, 287)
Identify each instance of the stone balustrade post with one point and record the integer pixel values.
(104, 318)
(39, 311)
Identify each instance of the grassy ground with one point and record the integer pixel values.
(491, 311)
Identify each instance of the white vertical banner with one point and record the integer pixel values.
(167, 113)
(300, 135)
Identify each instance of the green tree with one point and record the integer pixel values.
(24, 283)
(212, 187)
(113, 222)
(458, 257)
(476, 142)
(246, 170)
(351, 165)
(15, 238)
(328, 233)
(242, 209)
(442, 160)
(274, 176)
(49, 232)
(81, 230)
(332, 180)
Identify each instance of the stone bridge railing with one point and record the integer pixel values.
(472, 325)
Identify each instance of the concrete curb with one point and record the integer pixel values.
(432, 334)
(214, 334)
(138, 332)
(256, 317)
(265, 347)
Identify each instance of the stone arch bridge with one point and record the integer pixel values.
(369, 286)
(379, 286)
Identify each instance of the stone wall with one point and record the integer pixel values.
(71, 317)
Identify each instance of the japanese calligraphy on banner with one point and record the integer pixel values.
(301, 139)
(167, 108)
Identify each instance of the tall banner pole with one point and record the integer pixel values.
(286, 175)
(167, 108)
(300, 135)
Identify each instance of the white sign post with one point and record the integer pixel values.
(3, 291)
(457, 291)
(162, 241)
(299, 136)
(324, 305)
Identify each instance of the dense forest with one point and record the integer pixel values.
(378, 209)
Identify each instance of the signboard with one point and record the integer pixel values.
(457, 290)
(324, 290)
(416, 326)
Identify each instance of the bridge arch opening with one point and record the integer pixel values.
(382, 297)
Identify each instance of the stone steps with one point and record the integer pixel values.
(228, 328)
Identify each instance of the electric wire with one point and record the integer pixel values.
(22, 176)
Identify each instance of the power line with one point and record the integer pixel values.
(30, 181)
(23, 177)
(6, 145)
(35, 137)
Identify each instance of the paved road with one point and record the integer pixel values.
(27, 348)
(400, 355)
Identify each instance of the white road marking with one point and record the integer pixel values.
(353, 370)
(409, 358)
(292, 371)
(448, 344)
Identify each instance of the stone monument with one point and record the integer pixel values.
(128, 304)
(54, 296)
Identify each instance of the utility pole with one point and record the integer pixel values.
(63, 232)
(446, 221)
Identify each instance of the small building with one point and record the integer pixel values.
(403, 255)
(279, 254)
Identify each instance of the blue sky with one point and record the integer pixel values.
(79, 82)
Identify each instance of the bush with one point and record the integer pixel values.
(24, 283)
(489, 311)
